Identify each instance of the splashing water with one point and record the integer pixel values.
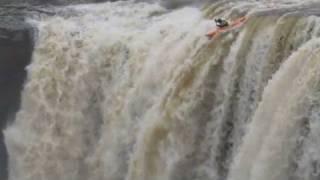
(132, 91)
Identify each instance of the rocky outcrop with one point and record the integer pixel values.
(15, 54)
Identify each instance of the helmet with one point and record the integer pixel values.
(218, 20)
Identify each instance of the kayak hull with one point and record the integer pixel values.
(234, 24)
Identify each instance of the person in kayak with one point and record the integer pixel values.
(221, 23)
(225, 26)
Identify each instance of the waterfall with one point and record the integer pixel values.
(134, 91)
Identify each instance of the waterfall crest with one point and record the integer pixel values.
(133, 91)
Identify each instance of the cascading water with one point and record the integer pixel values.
(132, 91)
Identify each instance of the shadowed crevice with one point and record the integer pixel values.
(16, 47)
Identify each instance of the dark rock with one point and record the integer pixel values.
(3, 159)
(15, 53)
(16, 47)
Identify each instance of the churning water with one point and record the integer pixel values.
(132, 91)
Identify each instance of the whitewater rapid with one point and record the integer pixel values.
(133, 91)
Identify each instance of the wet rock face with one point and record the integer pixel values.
(15, 54)
(3, 159)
